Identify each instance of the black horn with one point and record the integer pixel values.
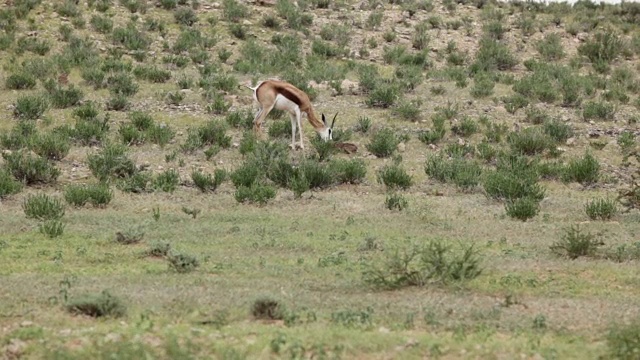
(334, 120)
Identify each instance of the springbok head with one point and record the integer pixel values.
(327, 133)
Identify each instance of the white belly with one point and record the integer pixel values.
(282, 103)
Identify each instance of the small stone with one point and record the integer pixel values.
(571, 141)
(401, 147)
(26, 323)
(383, 330)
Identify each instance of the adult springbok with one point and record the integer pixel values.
(281, 95)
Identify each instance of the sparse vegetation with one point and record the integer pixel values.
(492, 124)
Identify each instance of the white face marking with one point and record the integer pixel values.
(325, 134)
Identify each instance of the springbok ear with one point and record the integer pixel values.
(324, 120)
(334, 120)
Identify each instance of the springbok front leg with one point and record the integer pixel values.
(260, 116)
(297, 119)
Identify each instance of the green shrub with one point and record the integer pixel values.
(132, 235)
(394, 176)
(8, 185)
(558, 130)
(319, 175)
(395, 201)
(493, 55)
(598, 110)
(101, 24)
(62, 98)
(247, 174)
(159, 249)
(182, 263)
(97, 305)
(51, 146)
(167, 181)
(122, 84)
(111, 162)
(234, 11)
(185, 16)
(267, 308)
(152, 73)
(30, 169)
(384, 95)
(483, 85)
(256, 193)
(602, 49)
(522, 208)
(459, 171)
(603, 209)
(465, 127)
(536, 115)
(585, 170)
(324, 149)
(138, 182)
(363, 125)
(348, 171)
(206, 182)
(623, 341)
(551, 48)
(575, 244)
(383, 143)
(422, 265)
(240, 119)
(529, 141)
(43, 207)
(408, 110)
(20, 81)
(30, 107)
(98, 195)
(511, 185)
(130, 37)
(52, 228)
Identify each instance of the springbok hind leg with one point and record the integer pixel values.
(292, 116)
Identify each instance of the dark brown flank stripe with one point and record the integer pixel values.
(289, 95)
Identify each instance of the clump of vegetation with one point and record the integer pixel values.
(30, 169)
(395, 201)
(394, 176)
(182, 263)
(132, 235)
(624, 341)
(30, 107)
(267, 308)
(111, 163)
(585, 170)
(97, 305)
(601, 209)
(167, 181)
(523, 208)
(43, 207)
(159, 249)
(421, 265)
(256, 193)
(457, 170)
(575, 243)
(98, 195)
(383, 143)
(8, 185)
(206, 182)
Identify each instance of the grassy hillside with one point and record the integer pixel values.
(490, 209)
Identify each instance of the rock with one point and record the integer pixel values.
(571, 141)
(582, 36)
(246, 22)
(383, 330)
(26, 323)
(350, 87)
(401, 147)
(15, 348)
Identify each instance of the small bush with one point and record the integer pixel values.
(30, 107)
(318, 175)
(575, 244)
(267, 309)
(62, 98)
(383, 96)
(182, 263)
(8, 185)
(52, 228)
(185, 16)
(256, 193)
(240, 120)
(511, 185)
(395, 176)
(363, 125)
(234, 11)
(51, 146)
(324, 149)
(97, 305)
(348, 171)
(459, 171)
(585, 170)
(20, 81)
(523, 208)
(421, 265)
(602, 209)
(167, 181)
(132, 235)
(159, 249)
(395, 201)
(602, 49)
(598, 110)
(97, 194)
(111, 162)
(465, 128)
(383, 143)
(558, 130)
(43, 207)
(30, 169)
(206, 182)
(624, 341)
(530, 141)
(551, 48)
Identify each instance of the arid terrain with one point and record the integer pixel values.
(489, 211)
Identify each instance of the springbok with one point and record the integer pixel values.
(281, 95)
